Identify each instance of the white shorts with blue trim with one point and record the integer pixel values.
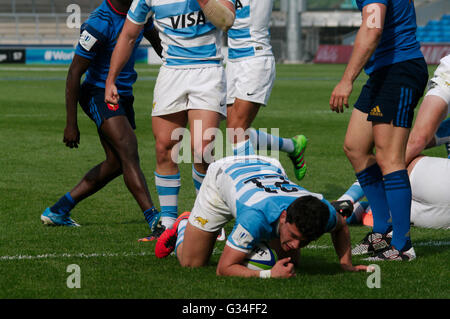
(183, 89)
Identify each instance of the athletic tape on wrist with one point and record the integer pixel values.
(265, 273)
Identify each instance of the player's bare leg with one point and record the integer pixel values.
(119, 133)
(197, 247)
(203, 124)
(99, 175)
(358, 143)
(390, 145)
(162, 127)
(358, 147)
(168, 131)
(119, 142)
(240, 116)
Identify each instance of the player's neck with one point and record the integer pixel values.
(120, 6)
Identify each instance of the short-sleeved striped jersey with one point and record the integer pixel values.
(258, 193)
(250, 35)
(187, 37)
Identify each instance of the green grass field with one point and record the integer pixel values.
(36, 169)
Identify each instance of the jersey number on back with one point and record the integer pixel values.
(280, 184)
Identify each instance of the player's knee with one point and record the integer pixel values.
(113, 165)
(201, 149)
(351, 152)
(238, 121)
(190, 263)
(389, 161)
(163, 151)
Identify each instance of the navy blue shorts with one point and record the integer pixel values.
(391, 93)
(92, 101)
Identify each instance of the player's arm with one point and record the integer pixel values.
(221, 13)
(293, 254)
(77, 68)
(231, 264)
(121, 55)
(341, 241)
(366, 41)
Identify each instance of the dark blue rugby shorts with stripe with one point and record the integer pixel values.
(392, 92)
(92, 101)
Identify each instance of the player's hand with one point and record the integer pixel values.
(340, 95)
(111, 94)
(71, 136)
(350, 267)
(283, 269)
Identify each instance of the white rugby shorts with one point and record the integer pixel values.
(250, 79)
(430, 185)
(439, 84)
(179, 89)
(211, 211)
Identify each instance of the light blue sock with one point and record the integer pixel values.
(354, 193)
(198, 178)
(243, 148)
(180, 236)
(168, 187)
(262, 140)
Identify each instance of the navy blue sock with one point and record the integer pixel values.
(64, 205)
(398, 194)
(149, 214)
(371, 181)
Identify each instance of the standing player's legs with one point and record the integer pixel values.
(167, 174)
(240, 116)
(94, 180)
(249, 84)
(120, 135)
(98, 176)
(116, 133)
(358, 147)
(432, 112)
(390, 145)
(203, 127)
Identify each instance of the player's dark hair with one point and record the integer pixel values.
(310, 215)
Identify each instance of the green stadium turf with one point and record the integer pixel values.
(36, 169)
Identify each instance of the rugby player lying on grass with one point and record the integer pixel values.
(255, 191)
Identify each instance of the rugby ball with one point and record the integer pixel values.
(262, 257)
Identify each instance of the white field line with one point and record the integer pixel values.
(150, 253)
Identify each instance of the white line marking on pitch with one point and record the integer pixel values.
(150, 253)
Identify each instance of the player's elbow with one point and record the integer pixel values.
(221, 14)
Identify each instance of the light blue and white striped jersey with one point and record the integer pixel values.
(187, 37)
(258, 191)
(250, 35)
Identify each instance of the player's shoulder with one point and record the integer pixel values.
(102, 21)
